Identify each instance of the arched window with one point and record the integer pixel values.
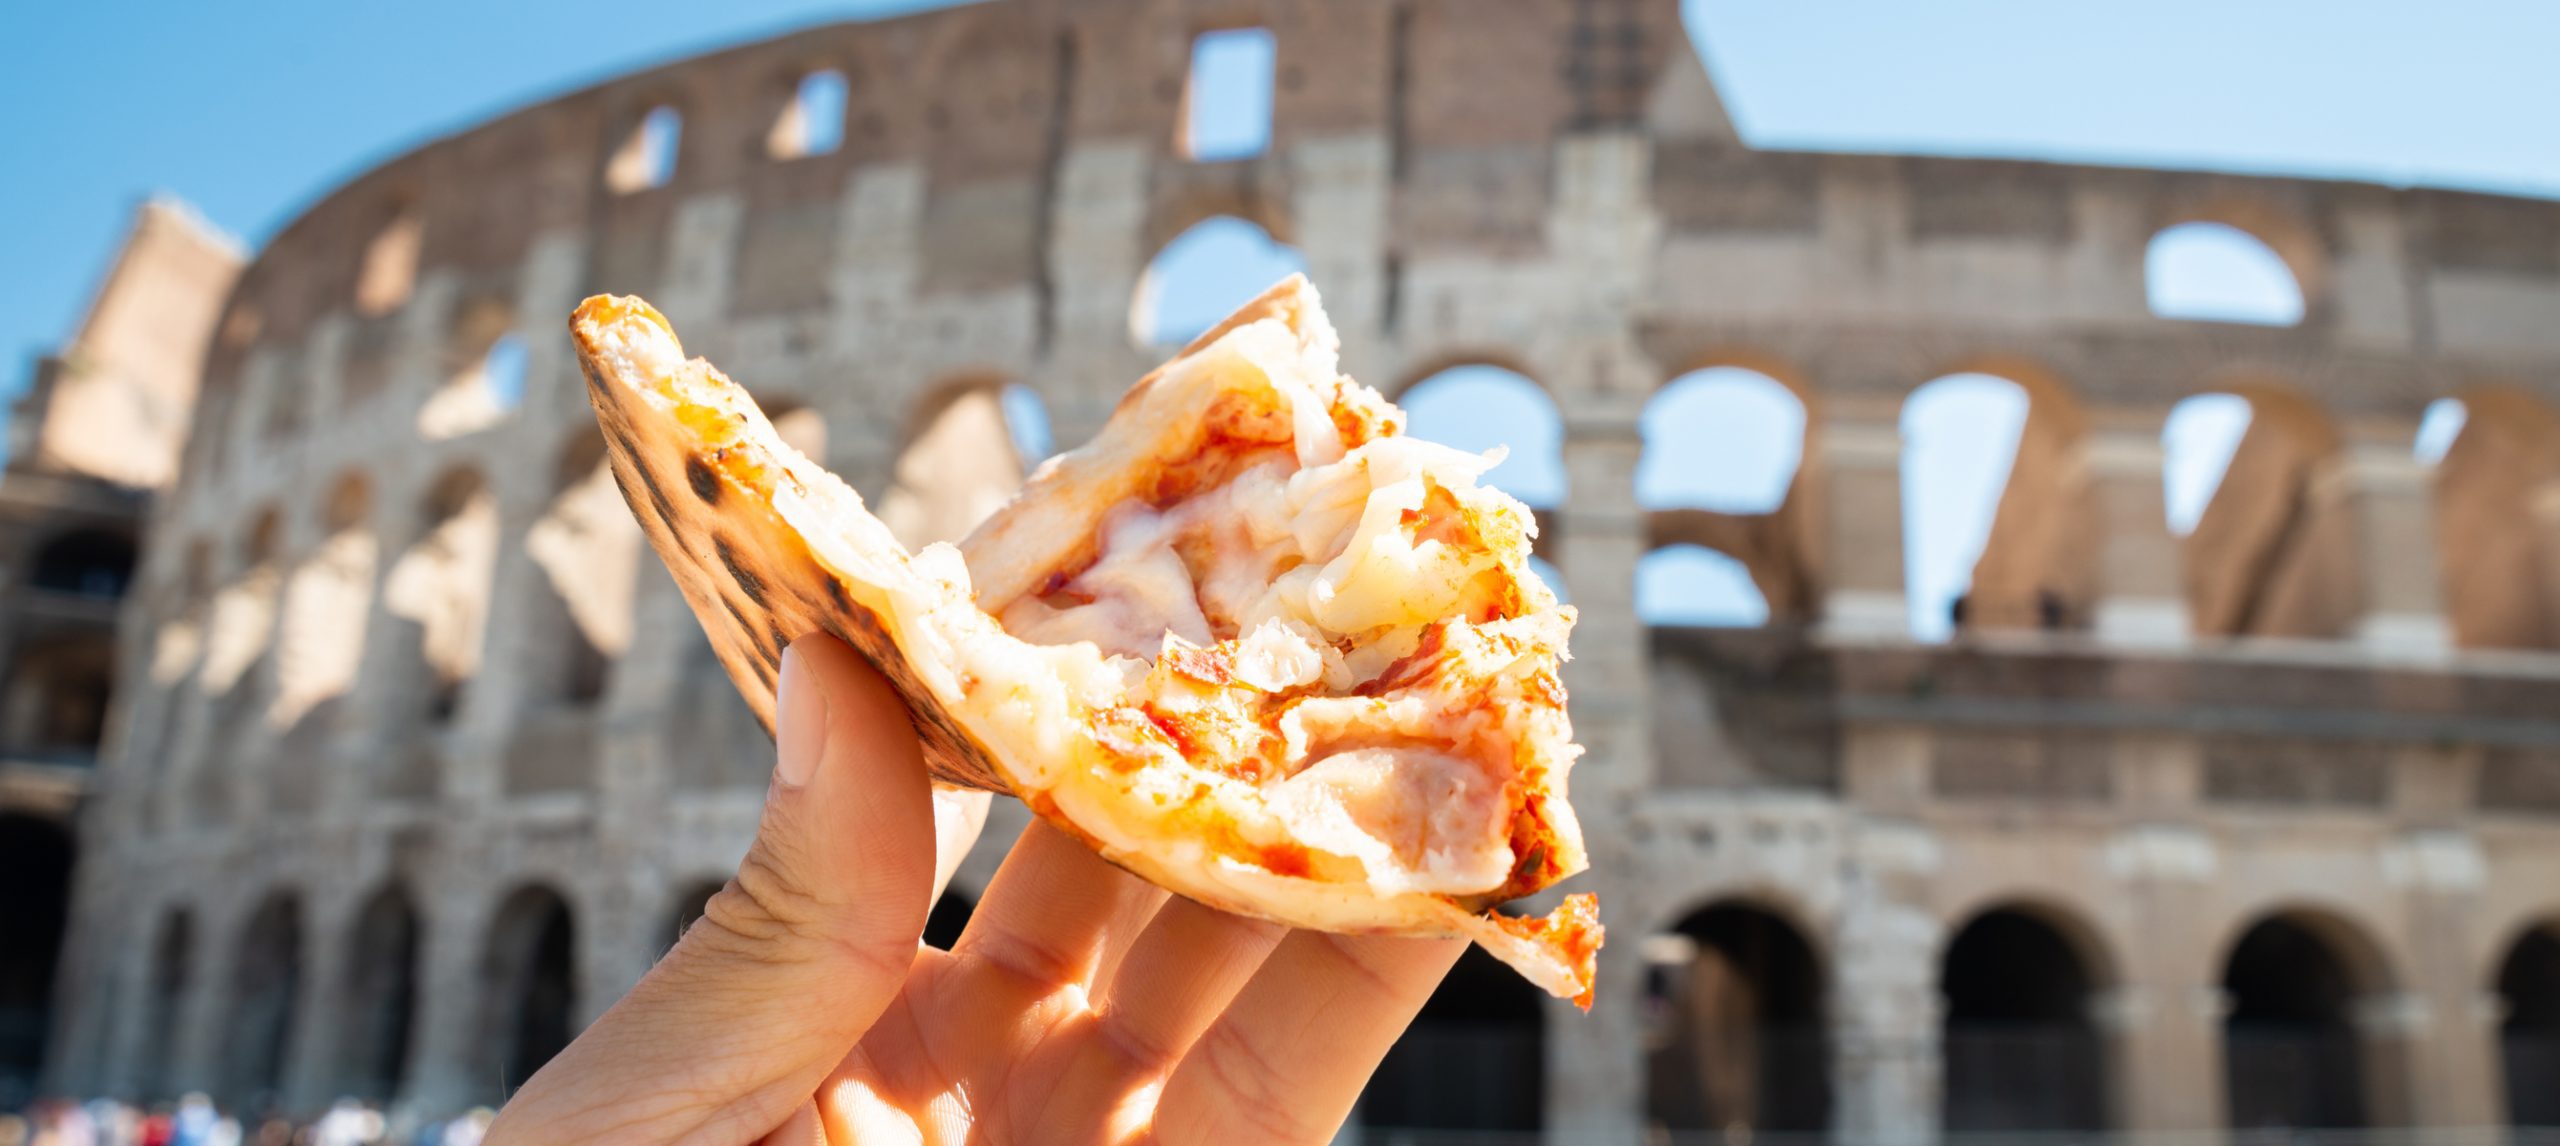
(1697, 586)
(1736, 995)
(390, 269)
(1226, 103)
(529, 986)
(1026, 421)
(647, 156)
(85, 562)
(1723, 439)
(379, 998)
(1474, 1058)
(1960, 436)
(266, 985)
(488, 378)
(2529, 1037)
(172, 966)
(812, 121)
(1478, 408)
(440, 585)
(322, 630)
(1203, 275)
(2219, 273)
(962, 459)
(2197, 443)
(56, 706)
(35, 900)
(2021, 1052)
(2293, 1056)
(2438, 428)
(587, 546)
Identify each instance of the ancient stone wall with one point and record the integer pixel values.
(335, 696)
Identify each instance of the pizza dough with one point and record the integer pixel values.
(1251, 643)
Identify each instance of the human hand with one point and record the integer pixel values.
(1082, 1004)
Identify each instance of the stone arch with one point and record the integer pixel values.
(378, 996)
(2033, 570)
(320, 638)
(1749, 518)
(2020, 1042)
(1210, 258)
(85, 562)
(163, 1003)
(2283, 231)
(483, 375)
(56, 703)
(1473, 1059)
(388, 273)
(811, 120)
(957, 460)
(239, 645)
(585, 548)
(2527, 983)
(265, 994)
(649, 151)
(528, 984)
(439, 588)
(2312, 1036)
(2497, 504)
(35, 912)
(2273, 553)
(1740, 990)
(1477, 402)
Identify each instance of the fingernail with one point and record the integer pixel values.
(799, 723)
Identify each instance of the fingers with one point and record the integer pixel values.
(1179, 974)
(1291, 1054)
(793, 960)
(1051, 909)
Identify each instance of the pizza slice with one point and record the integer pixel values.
(1252, 643)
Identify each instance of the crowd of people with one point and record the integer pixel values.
(196, 1121)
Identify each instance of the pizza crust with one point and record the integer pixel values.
(1251, 643)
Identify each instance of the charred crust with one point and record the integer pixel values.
(748, 582)
(836, 595)
(657, 496)
(705, 482)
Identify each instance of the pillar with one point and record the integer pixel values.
(446, 1041)
(1886, 1018)
(2141, 601)
(1595, 1062)
(1858, 445)
(2390, 502)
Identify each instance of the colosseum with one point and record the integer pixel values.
(418, 760)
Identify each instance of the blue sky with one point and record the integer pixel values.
(249, 118)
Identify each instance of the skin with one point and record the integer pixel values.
(1082, 1004)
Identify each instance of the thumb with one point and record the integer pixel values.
(791, 961)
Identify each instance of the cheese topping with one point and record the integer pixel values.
(1274, 598)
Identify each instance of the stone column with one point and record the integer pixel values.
(1858, 499)
(2141, 600)
(1097, 217)
(313, 1068)
(2165, 1016)
(196, 1061)
(2390, 500)
(446, 1051)
(1886, 1017)
(1595, 1062)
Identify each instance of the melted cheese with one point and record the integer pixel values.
(1305, 577)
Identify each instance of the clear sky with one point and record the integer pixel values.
(251, 116)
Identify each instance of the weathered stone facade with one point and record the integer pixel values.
(97, 431)
(377, 743)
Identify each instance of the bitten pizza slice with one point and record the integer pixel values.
(1252, 643)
